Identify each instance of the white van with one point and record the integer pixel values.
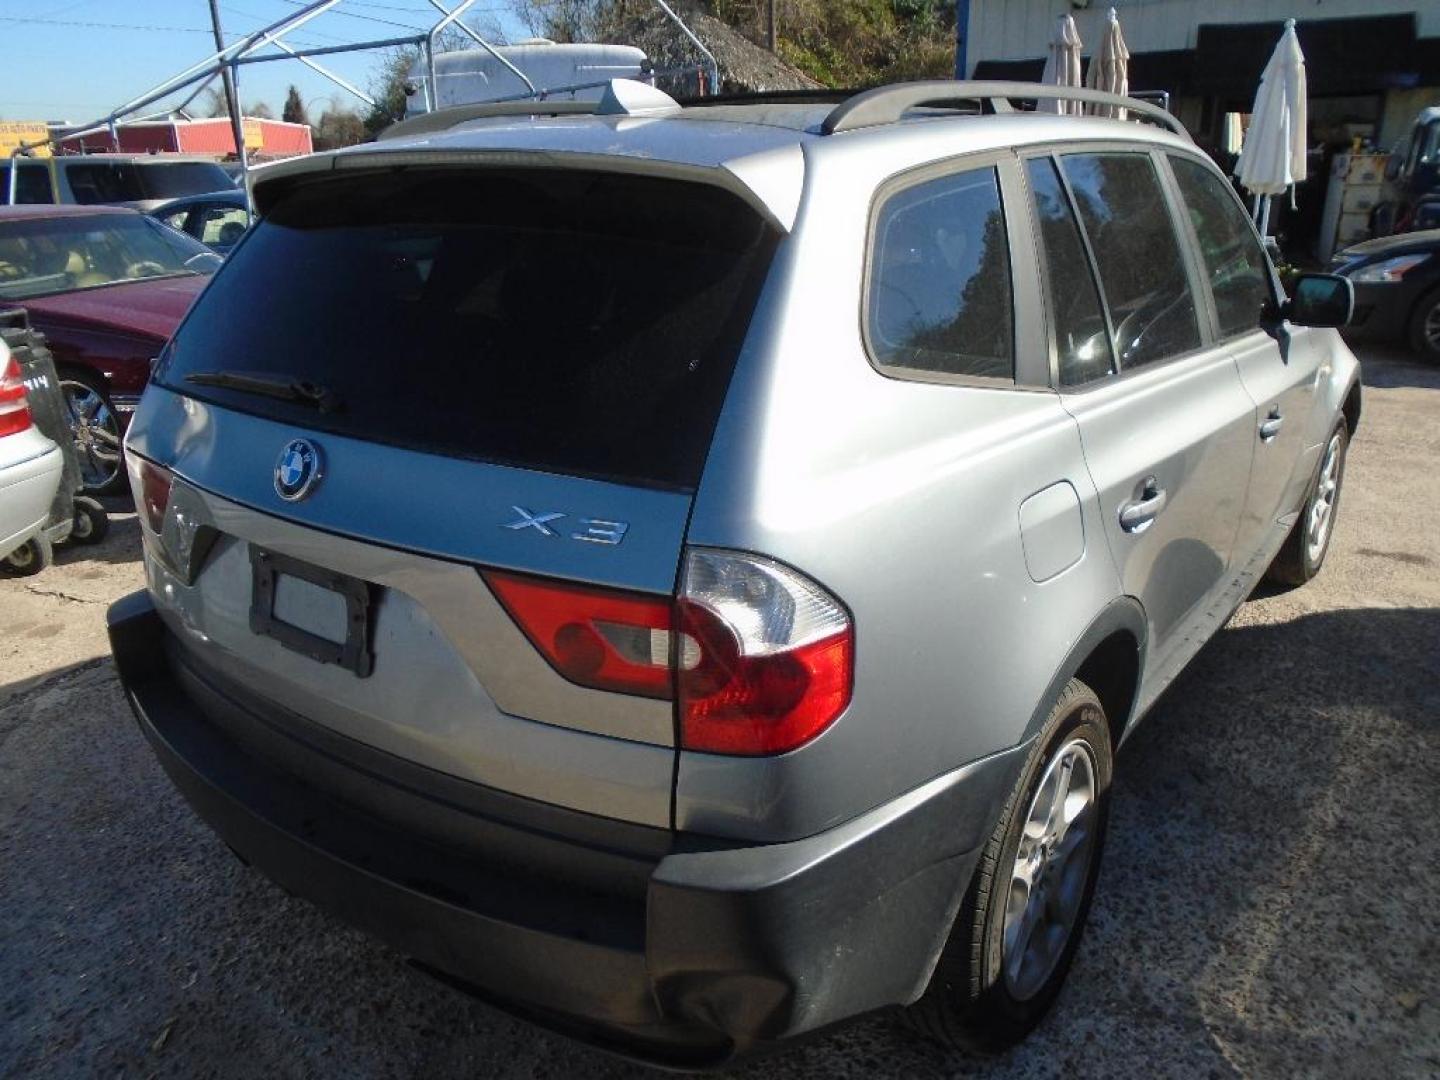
(467, 76)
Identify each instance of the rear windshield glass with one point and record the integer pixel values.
(127, 181)
(573, 322)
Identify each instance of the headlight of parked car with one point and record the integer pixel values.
(1388, 272)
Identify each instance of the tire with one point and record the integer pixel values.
(96, 431)
(979, 997)
(1300, 558)
(92, 523)
(28, 559)
(1424, 328)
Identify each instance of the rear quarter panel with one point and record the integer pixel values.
(903, 499)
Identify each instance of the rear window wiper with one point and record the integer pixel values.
(276, 386)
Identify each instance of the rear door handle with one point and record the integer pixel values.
(1270, 426)
(1136, 517)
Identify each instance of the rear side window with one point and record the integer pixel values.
(1082, 342)
(32, 185)
(939, 296)
(1234, 262)
(1138, 255)
(574, 322)
(127, 181)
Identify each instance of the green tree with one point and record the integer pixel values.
(388, 88)
(337, 128)
(294, 110)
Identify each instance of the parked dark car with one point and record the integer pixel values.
(1397, 290)
(217, 219)
(107, 286)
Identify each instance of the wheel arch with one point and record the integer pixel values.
(1109, 657)
(1350, 409)
(1428, 295)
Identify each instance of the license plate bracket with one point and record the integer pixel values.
(354, 653)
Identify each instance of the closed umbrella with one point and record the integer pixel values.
(1273, 155)
(1230, 134)
(1062, 65)
(1109, 68)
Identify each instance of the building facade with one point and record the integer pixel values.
(265, 139)
(1371, 64)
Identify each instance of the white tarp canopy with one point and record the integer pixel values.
(1109, 68)
(1062, 65)
(1273, 156)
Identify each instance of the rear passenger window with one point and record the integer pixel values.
(1082, 343)
(1137, 254)
(1234, 262)
(32, 186)
(940, 280)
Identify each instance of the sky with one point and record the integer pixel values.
(76, 60)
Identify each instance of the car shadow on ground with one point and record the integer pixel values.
(1387, 368)
(121, 543)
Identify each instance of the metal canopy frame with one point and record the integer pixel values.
(225, 63)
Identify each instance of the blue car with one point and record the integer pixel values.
(217, 219)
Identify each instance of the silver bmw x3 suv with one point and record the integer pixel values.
(683, 574)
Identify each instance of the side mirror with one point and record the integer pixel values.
(1320, 300)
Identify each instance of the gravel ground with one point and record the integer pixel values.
(1267, 904)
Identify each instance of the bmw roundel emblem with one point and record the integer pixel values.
(298, 470)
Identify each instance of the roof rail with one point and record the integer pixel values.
(441, 119)
(887, 104)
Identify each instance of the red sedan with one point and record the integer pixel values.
(107, 286)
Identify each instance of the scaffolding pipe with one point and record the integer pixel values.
(714, 64)
(336, 79)
(475, 37)
(232, 101)
(432, 92)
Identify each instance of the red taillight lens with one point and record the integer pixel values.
(766, 657)
(595, 637)
(762, 658)
(150, 484)
(14, 412)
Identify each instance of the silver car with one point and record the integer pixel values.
(683, 574)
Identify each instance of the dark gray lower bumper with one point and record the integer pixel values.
(674, 948)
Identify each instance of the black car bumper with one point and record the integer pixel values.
(674, 948)
(1382, 313)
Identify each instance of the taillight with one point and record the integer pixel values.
(758, 659)
(150, 484)
(766, 656)
(595, 637)
(14, 412)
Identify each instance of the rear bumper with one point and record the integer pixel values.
(672, 948)
(27, 489)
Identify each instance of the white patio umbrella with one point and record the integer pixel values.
(1062, 65)
(1273, 156)
(1109, 68)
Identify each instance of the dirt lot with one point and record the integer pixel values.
(1267, 906)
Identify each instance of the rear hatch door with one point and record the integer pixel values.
(403, 378)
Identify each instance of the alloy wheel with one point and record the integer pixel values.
(1430, 329)
(1320, 512)
(94, 432)
(1051, 870)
